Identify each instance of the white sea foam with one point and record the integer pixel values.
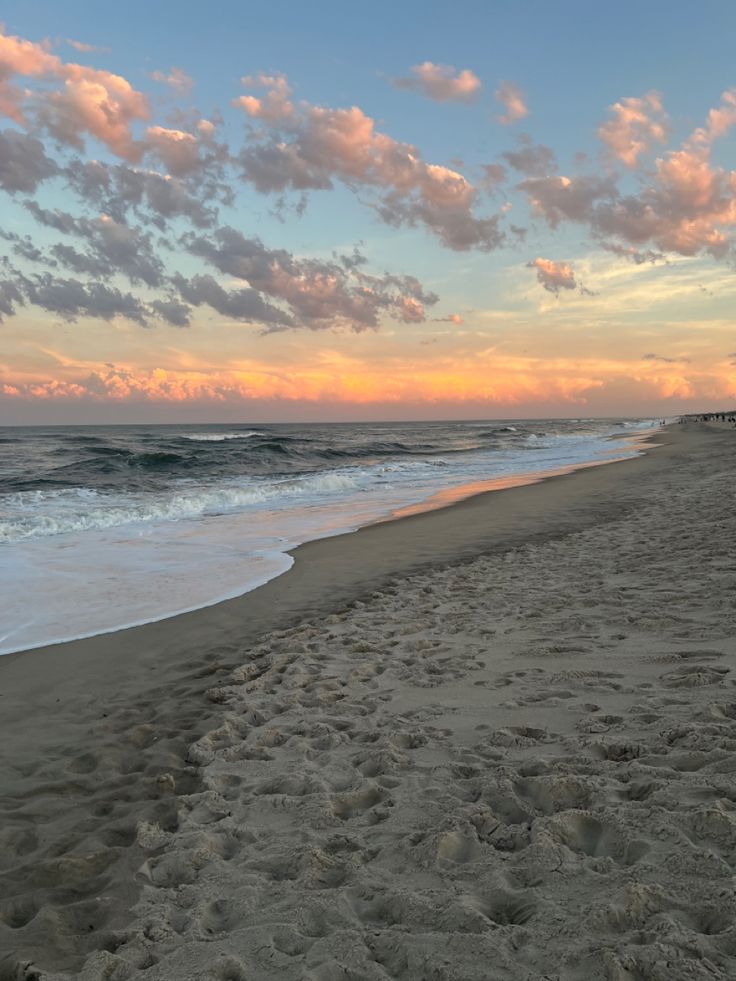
(219, 437)
(41, 514)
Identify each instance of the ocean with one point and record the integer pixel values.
(103, 527)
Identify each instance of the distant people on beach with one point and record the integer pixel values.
(727, 417)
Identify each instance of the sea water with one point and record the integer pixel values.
(103, 527)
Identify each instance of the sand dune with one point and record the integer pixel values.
(518, 766)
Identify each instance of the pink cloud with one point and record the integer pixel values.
(178, 150)
(96, 102)
(637, 125)
(83, 47)
(719, 122)
(554, 276)
(561, 198)
(24, 58)
(275, 106)
(689, 207)
(443, 83)
(309, 147)
(512, 99)
(92, 101)
(177, 79)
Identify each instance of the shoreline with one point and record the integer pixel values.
(98, 732)
(446, 497)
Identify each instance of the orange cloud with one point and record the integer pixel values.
(329, 377)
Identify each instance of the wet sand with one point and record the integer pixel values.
(488, 741)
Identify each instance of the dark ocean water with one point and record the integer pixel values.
(103, 526)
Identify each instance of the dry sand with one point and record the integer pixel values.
(500, 747)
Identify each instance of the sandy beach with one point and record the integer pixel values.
(490, 741)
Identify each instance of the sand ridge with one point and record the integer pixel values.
(518, 767)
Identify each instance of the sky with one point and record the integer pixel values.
(297, 212)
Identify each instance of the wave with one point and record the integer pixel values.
(40, 514)
(219, 437)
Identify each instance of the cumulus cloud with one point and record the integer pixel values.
(560, 198)
(10, 297)
(493, 175)
(442, 83)
(513, 101)
(119, 189)
(177, 80)
(311, 147)
(532, 159)
(240, 304)
(273, 107)
(113, 247)
(719, 122)
(318, 293)
(90, 101)
(178, 150)
(553, 276)
(637, 124)
(688, 207)
(23, 162)
(71, 298)
(173, 311)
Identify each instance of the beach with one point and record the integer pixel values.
(489, 741)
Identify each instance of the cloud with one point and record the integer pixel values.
(532, 159)
(310, 147)
(637, 125)
(275, 106)
(493, 175)
(180, 152)
(119, 189)
(453, 318)
(442, 83)
(10, 297)
(318, 293)
(113, 247)
(23, 162)
(688, 207)
(177, 80)
(554, 276)
(240, 304)
(664, 360)
(83, 47)
(719, 121)
(90, 101)
(98, 103)
(512, 99)
(560, 198)
(71, 299)
(633, 255)
(173, 311)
